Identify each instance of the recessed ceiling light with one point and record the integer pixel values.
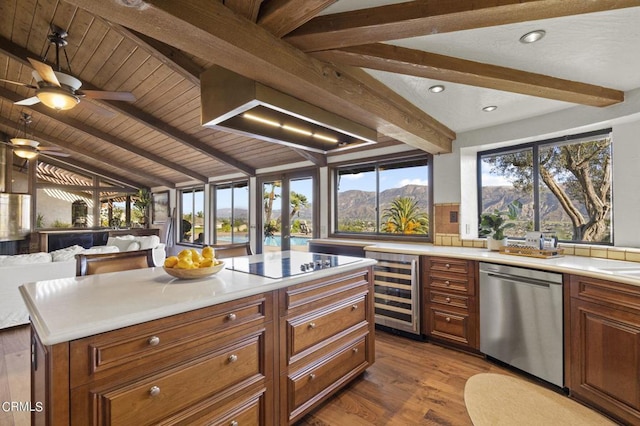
(490, 108)
(436, 89)
(532, 37)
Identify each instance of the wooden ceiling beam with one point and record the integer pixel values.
(280, 17)
(316, 158)
(210, 30)
(425, 17)
(20, 54)
(247, 8)
(111, 163)
(418, 63)
(105, 137)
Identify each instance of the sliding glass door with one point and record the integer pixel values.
(288, 211)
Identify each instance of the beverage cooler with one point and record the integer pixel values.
(397, 291)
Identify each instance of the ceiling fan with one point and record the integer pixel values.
(27, 148)
(56, 89)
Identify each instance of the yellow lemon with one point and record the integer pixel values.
(208, 252)
(184, 263)
(206, 263)
(171, 261)
(194, 254)
(185, 254)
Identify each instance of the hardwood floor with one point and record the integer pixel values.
(411, 383)
(14, 374)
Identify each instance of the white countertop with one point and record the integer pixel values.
(615, 270)
(71, 308)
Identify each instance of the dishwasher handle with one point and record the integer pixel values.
(521, 279)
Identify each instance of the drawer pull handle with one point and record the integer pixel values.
(231, 317)
(232, 358)
(447, 319)
(312, 325)
(154, 391)
(354, 307)
(447, 266)
(448, 299)
(154, 341)
(355, 350)
(233, 423)
(312, 376)
(447, 283)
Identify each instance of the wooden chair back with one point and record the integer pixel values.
(99, 263)
(223, 251)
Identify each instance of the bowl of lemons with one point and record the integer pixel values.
(191, 264)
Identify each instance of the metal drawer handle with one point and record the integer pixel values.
(154, 391)
(355, 350)
(312, 325)
(354, 307)
(448, 299)
(312, 376)
(231, 317)
(232, 358)
(233, 423)
(447, 266)
(447, 283)
(153, 341)
(447, 319)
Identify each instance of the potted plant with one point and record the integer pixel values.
(493, 225)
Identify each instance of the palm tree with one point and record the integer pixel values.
(405, 217)
(297, 201)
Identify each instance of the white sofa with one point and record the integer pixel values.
(19, 269)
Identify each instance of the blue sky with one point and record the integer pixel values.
(395, 178)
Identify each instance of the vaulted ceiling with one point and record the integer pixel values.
(370, 61)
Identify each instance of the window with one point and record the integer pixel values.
(231, 213)
(192, 214)
(383, 198)
(564, 185)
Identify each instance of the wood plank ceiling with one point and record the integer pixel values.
(157, 49)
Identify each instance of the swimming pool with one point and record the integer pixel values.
(276, 241)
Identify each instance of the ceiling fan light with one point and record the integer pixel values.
(56, 98)
(25, 153)
(437, 88)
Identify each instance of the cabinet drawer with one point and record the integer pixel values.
(451, 325)
(444, 264)
(309, 385)
(154, 398)
(311, 329)
(449, 299)
(625, 296)
(145, 345)
(454, 283)
(241, 409)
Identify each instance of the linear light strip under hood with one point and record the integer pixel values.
(240, 105)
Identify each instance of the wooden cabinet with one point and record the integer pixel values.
(260, 360)
(605, 346)
(450, 301)
(326, 339)
(206, 366)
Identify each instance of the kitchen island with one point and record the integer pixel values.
(140, 347)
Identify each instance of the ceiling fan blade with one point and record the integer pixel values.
(112, 96)
(30, 86)
(48, 148)
(29, 101)
(56, 153)
(45, 71)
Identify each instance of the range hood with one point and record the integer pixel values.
(240, 105)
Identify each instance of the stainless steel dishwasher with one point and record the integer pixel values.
(521, 319)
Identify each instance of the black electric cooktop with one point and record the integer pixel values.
(285, 264)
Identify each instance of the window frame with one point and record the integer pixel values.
(377, 163)
(214, 207)
(193, 190)
(535, 149)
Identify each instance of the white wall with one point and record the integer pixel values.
(455, 173)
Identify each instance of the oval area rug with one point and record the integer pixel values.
(496, 399)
